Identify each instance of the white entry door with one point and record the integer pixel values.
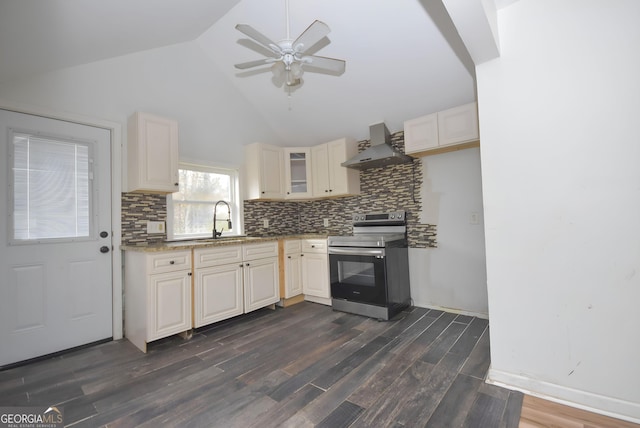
(55, 236)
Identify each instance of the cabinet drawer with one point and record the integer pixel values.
(260, 251)
(314, 246)
(169, 261)
(292, 246)
(216, 256)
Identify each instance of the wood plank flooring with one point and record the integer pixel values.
(300, 366)
(539, 413)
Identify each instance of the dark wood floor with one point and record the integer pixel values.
(304, 365)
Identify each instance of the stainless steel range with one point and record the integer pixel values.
(369, 270)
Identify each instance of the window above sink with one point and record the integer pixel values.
(190, 210)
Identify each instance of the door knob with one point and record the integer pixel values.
(104, 249)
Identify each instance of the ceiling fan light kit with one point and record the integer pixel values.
(290, 56)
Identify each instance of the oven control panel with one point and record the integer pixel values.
(384, 218)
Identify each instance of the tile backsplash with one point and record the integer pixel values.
(394, 187)
(137, 209)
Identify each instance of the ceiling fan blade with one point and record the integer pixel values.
(312, 35)
(323, 63)
(250, 64)
(258, 37)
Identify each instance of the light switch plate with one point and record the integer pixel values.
(155, 227)
(265, 223)
(474, 218)
(326, 222)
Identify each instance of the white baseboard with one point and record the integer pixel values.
(608, 406)
(453, 311)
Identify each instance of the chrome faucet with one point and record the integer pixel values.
(217, 234)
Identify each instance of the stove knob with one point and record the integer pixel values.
(393, 215)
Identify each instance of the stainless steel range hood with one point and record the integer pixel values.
(380, 154)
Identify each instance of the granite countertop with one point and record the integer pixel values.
(209, 242)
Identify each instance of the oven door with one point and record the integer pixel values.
(358, 274)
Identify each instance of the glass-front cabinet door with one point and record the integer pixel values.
(298, 172)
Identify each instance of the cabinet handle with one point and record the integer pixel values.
(313, 246)
(247, 264)
(325, 191)
(288, 257)
(301, 255)
(331, 190)
(189, 274)
(176, 184)
(262, 192)
(172, 262)
(241, 265)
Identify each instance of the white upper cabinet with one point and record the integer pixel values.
(442, 131)
(297, 164)
(273, 172)
(330, 178)
(458, 125)
(264, 171)
(421, 133)
(152, 155)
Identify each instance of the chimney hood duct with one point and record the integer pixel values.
(380, 154)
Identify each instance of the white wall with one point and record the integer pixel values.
(452, 276)
(177, 81)
(561, 182)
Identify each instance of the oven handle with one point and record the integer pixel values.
(355, 251)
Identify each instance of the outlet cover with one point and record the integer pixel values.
(474, 218)
(326, 222)
(155, 227)
(265, 223)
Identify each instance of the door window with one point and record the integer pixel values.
(51, 187)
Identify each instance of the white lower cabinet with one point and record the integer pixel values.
(315, 271)
(217, 288)
(157, 295)
(292, 261)
(218, 294)
(161, 299)
(261, 275)
(235, 279)
(260, 283)
(169, 306)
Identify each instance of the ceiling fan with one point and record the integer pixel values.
(288, 56)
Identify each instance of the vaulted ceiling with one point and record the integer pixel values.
(404, 58)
